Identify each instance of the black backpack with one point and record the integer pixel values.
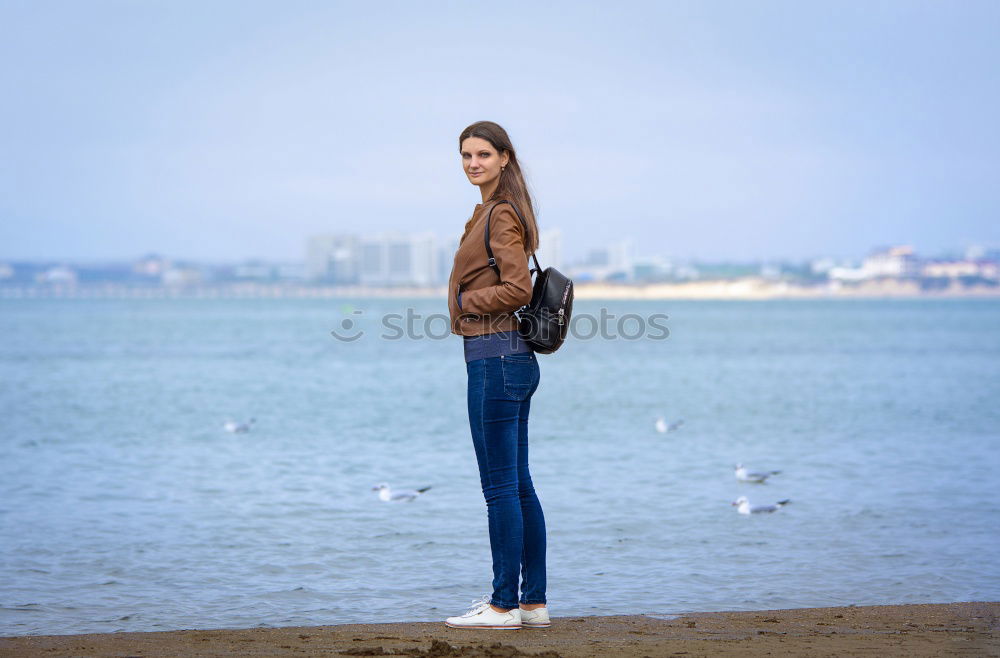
(544, 321)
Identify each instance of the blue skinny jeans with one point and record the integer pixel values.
(500, 390)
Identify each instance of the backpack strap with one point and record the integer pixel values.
(491, 261)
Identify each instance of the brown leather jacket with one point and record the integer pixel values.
(488, 301)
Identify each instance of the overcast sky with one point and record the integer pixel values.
(708, 130)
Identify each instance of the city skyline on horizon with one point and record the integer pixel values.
(442, 244)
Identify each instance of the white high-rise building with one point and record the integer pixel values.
(549, 252)
(897, 261)
(332, 258)
(620, 257)
(446, 259)
(398, 259)
(423, 259)
(385, 259)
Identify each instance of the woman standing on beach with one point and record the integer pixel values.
(503, 375)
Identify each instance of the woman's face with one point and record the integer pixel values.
(482, 162)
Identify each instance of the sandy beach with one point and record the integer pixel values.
(946, 629)
(756, 288)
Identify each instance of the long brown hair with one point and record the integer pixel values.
(511, 185)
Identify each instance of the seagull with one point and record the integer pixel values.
(743, 475)
(387, 495)
(743, 506)
(663, 428)
(238, 428)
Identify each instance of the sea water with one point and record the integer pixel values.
(125, 505)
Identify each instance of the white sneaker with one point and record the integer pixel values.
(537, 618)
(481, 615)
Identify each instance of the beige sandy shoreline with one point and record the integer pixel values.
(755, 288)
(945, 629)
